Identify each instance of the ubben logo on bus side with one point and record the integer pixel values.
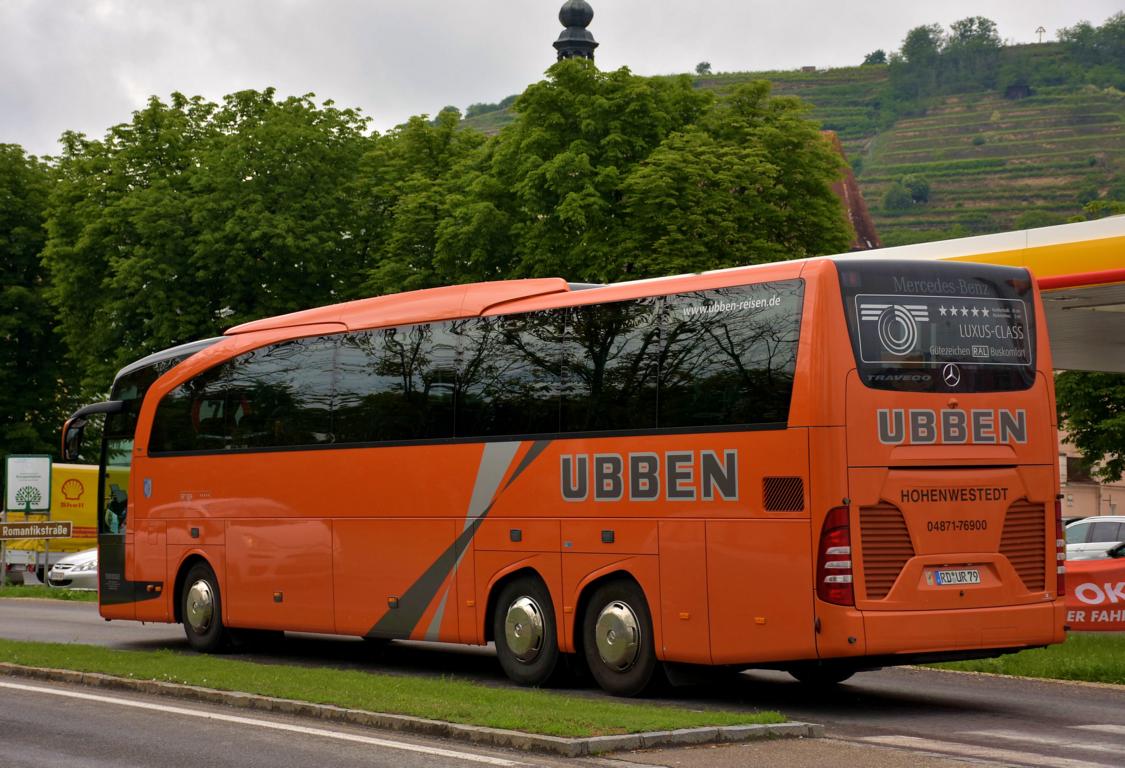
(673, 476)
(952, 426)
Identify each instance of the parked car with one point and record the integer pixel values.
(1093, 537)
(77, 571)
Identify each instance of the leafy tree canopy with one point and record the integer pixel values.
(607, 175)
(1092, 405)
(878, 56)
(195, 216)
(30, 396)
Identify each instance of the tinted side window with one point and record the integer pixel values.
(1076, 534)
(395, 384)
(610, 366)
(728, 355)
(509, 374)
(1106, 531)
(276, 396)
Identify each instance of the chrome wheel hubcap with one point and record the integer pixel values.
(618, 634)
(523, 629)
(200, 608)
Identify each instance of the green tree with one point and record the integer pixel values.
(30, 352)
(544, 196)
(475, 110)
(971, 55)
(1081, 42)
(403, 193)
(703, 68)
(922, 45)
(606, 175)
(915, 70)
(1092, 407)
(897, 197)
(878, 56)
(195, 216)
(918, 186)
(749, 183)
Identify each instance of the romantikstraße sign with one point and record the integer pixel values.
(55, 530)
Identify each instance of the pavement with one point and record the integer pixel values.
(902, 716)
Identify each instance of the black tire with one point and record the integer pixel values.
(821, 675)
(524, 659)
(205, 634)
(635, 673)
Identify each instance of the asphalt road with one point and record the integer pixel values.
(929, 713)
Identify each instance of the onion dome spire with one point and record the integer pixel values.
(576, 40)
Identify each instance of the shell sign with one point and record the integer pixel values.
(1095, 595)
(73, 489)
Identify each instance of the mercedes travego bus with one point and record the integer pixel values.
(820, 466)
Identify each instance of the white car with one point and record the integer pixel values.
(1093, 537)
(77, 571)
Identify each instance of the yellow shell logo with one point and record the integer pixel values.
(73, 489)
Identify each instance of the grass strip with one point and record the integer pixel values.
(54, 593)
(446, 698)
(1088, 656)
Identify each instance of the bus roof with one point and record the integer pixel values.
(1079, 266)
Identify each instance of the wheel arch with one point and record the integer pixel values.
(185, 565)
(586, 589)
(497, 585)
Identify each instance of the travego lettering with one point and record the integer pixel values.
(673, 476)
(951, 426)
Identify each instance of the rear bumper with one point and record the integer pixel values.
(913, 633)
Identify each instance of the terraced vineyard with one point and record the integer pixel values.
(992, 163)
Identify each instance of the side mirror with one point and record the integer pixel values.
(76, 425)
(1117, 551)
(72, 437)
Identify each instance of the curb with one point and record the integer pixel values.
(473, 734)
(1025, 678)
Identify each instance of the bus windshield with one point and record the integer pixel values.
(130, 388)
(957, 328)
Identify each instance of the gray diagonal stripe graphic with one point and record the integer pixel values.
(497, 457)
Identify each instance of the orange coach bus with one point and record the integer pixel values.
(821, 466)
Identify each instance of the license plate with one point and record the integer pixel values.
(958, 577)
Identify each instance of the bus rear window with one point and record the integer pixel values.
(940, 327)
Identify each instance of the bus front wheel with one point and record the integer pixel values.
(523, 626)
(201, 608)
(617, 639)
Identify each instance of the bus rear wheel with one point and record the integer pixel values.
(617, 639)
(523, 626)
(201, 608)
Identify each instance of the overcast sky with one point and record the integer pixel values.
(87, 64)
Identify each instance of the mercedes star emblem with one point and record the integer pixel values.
(951, 375)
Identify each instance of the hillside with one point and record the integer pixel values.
(991, 163)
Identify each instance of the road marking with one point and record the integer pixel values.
(1005, 756)
(1115, 729)
(1031, 738)
(338, 735)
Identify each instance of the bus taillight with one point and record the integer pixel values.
(834, 560)
(1060, 550)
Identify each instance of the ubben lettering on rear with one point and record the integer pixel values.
(951, 426)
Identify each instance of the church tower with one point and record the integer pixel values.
(576, 40)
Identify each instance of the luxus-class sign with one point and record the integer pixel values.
(27, 484)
